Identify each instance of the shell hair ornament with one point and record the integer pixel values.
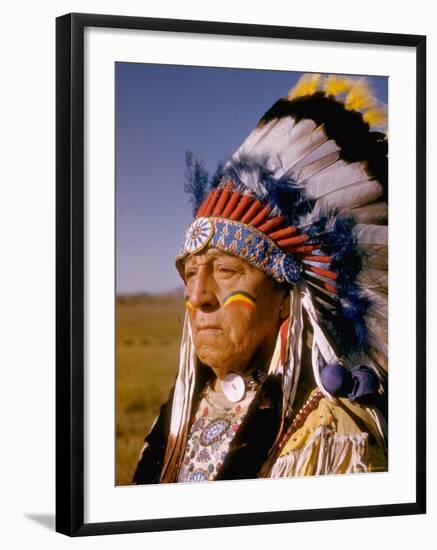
(304, 199)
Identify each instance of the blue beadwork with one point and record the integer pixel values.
(254, 246)
(199, 475)
(291, 269)
(214, 431)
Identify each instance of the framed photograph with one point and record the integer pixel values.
(240, 274)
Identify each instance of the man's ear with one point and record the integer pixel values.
(284, 310)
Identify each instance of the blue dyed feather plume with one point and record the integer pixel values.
(347, 324)
(196, 180)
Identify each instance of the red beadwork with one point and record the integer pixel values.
(310, 404)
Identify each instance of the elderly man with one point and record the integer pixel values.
(235, 312)
(284, 351)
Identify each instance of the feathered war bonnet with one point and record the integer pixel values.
(304, 199)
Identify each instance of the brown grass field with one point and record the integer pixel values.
(148, 334)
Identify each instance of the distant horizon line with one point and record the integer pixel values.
(173, 291)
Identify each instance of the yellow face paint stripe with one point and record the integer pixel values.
(240, 298)
(188, 304)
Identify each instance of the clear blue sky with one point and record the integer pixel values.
(161, 112)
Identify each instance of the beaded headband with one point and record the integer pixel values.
(239, 224)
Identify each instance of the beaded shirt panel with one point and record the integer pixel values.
(216, 421)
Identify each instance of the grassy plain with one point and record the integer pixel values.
(148, 332)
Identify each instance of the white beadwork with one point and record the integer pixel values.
(214, 426)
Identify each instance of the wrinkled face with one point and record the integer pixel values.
(235, 311)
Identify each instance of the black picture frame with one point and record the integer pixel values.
(70, 273)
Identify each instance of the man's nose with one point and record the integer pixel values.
(202, 293)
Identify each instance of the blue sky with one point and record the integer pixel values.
(161, 112)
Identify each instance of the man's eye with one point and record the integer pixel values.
(224, 270)
(190, 273)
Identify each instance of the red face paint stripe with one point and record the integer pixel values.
(240, 303)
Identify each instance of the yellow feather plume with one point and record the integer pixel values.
(336, 85)
(306, 85)
(360, 97)
(376, 116)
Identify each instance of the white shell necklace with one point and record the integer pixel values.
(234, 385)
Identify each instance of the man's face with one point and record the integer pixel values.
(234, 310)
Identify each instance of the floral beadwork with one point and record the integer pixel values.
(214, 431)
(204, 456)
(214, 426)
(198, 425)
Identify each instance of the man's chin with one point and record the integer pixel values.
(211, 359)
(221, 363)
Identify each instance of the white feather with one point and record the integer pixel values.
(379, 303)
(253, 138)
(353, 195)
(371, 234)
(295, 152)
(277, 138)
(303, 170)
(381, 359)
(376, 213)
(379, 334)
(377, 320)
(373, 279)
(323, 150)
(380, 346)
(374, 256)
(339, 175)
(288, 136)
(373, 243)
